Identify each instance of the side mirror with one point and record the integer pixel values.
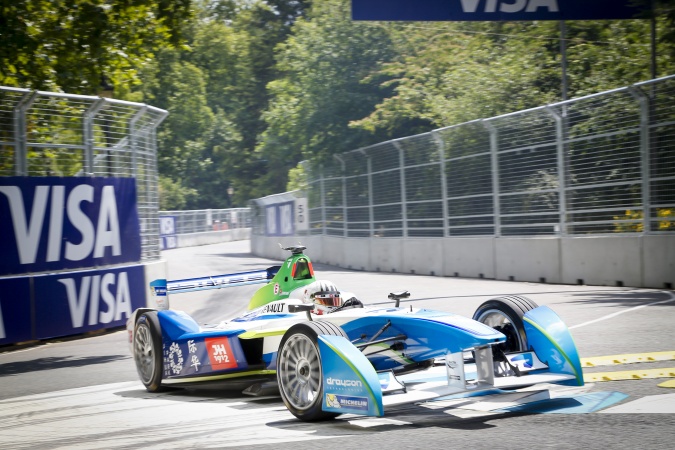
(397, 296)
(300, 308)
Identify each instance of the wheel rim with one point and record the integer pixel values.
(501, 322)
(300, 372)
(144, 353)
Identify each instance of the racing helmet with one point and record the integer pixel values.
(325, 296)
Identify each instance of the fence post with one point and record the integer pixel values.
(404, 206)
(322, 188)
(371, 215)
(560, 150)
(444, 183)
(344, 195)
(645, 159)
(21, 156)
(89, 115)
(494, 161)
(132, 132)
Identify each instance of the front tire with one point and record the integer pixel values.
(505, 314)
(299, 370)
(148, 351)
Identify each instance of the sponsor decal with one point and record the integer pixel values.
(279, 219)
(17, 310)
(512, 6)
(194, 359)
(496, 10)
(343, 382)
(277, 289)
(175, 358)
(65, 223)
(195, 362)
(274, 308)
(342, 401)
(220, 353)
(105, 303)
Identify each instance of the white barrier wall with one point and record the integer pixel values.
(469, 257)
(637, 261)
(604, 261)
(213, 237)
(658, 256)
(528, 259)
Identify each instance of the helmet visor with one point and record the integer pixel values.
(327, 299)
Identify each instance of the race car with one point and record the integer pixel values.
(327, 354)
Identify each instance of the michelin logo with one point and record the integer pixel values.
(341, 401)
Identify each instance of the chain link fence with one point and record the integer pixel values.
(65, 135)
(601, 164)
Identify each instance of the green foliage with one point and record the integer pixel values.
(323, 86)
(69, 45)
(173, 195)
(297, 179)
(254, 87)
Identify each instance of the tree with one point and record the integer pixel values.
(323, 86)
(72, 45)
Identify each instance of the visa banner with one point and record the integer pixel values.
(54, 223)
(279, 219)
(498, 10)
(75, 302)
(15, 310)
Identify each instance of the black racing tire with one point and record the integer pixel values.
(299, 371)
(505, 314)
(148, 351)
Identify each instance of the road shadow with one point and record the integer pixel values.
(629, 298)
(36, 365)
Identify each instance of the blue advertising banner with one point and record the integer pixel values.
(76, 302)
(53, 223)
(279, 219)
(15, 314)
(167, 232)
(497, 10)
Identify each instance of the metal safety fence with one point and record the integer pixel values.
(601, 164)
(66, 135)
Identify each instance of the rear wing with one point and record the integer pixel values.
(162, 287)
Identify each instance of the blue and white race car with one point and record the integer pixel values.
(327, 354)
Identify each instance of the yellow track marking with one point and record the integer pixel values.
(629, 375)
(630, 358)
(667, 384)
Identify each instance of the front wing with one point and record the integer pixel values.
(351, 384)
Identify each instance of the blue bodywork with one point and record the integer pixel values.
(552, 342)
(429, 334)
(359, 372)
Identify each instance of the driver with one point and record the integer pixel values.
(327, 298)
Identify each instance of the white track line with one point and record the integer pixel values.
(609, 316)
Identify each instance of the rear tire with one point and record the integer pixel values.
(505, 314)
(299, 370)
(148, 351)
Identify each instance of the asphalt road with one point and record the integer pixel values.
(84, 392)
